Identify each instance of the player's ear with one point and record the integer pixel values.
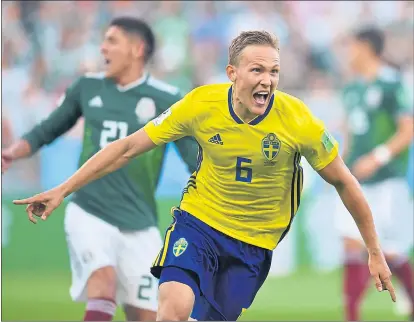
(138, 49)
(231, 72)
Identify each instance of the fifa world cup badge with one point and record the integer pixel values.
(157, 121)
(328, 141)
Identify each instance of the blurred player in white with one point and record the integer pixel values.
(379, 130)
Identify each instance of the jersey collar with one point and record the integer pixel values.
(257, 119)
(133, 84)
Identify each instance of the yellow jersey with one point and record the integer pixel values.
(249, 178)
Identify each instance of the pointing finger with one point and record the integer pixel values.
(25, 201)
(388, 285)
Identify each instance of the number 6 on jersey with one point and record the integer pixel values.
(243, 174)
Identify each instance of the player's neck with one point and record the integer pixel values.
(129, 76)
(242, 111)
(370, 69)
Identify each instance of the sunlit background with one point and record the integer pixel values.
(46, 45)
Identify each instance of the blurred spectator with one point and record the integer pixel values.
(47, 44)
(15, 78)
(59, 40)
(28, 17)
(173, 33)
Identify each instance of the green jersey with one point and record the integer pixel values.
(126, 197)
(373, 110)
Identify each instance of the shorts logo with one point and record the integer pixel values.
(179, 247)
(270, 146)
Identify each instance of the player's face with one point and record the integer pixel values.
(117, 50)
(357, 53)
(256, 77)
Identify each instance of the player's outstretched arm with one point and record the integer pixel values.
(56, 124)
(18, 150)
(337, 174)
(112, 157)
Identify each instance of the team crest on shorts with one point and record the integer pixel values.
(179, 247)
(270, 146)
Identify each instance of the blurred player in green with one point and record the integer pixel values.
(111, 224)
(379, 130)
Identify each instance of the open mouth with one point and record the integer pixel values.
(261, 97)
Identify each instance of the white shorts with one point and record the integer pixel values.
(93, 244)
(392, 210)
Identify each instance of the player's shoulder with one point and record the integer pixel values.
(389, 75)
(85, 82)
(94, 75)
(161, 87)
(90, 78)
(289, 104)
(210, 93)
(292, 109)
(351, 86)
(390, 79)
(286, 98)
(203, 101)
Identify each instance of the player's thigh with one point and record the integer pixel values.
(235, 292)
(236, 285)
(344, 222)
(92, 244)
(102, 283)
(398, 236)
(378, 204)
(139, 249)
(133, 313)
(176, 301)
(237, 288)
(188, 246)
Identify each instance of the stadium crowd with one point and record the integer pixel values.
(47, 44)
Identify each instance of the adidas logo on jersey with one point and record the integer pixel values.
(216, 139)
(96, 102)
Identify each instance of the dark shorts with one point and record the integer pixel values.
(224, 273)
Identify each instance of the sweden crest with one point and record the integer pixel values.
(179, 247)
(270, 146)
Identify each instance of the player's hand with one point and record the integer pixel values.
(6, 159)
(43, 204)
(381, 274)
(365, 167)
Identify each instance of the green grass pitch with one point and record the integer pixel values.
(36, 279)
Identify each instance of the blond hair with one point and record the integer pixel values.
(247, 38)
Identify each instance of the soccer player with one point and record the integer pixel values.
(240, 203)
(380, 129)
(111, 224)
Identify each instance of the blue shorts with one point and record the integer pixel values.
(224, 273)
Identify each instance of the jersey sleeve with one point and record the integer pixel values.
(187, 146)
(62, 119)
(174, 123)
(318, 146)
